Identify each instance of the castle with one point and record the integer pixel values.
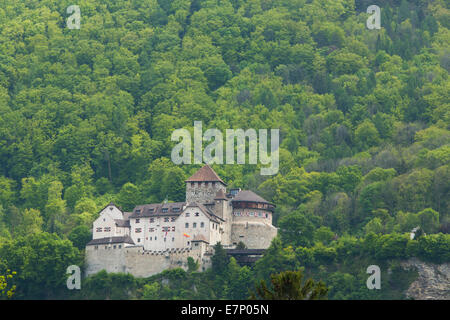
(155, 237)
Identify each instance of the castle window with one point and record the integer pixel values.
(152, 220)
(194, 225)
(197, 214)
(151, 210)
(151, 229)
(202, 224)
(114, 246)
(139, 239)
(107, 229)
(172, 219)
(156, 238)
(187, 214)
(138, 220)
(150, 238)
(98, 230)
(166, 219)
(173, 239)
(164, 239)
(259, 214)
(267, 215)
(138, 230)
(186, 225)
(173, 228)
(120, 246)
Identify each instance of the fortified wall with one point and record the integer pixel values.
(142, 263)
(255, 235)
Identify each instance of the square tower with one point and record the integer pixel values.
(203, 186)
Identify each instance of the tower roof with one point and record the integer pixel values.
(205, 174)
(249, 196)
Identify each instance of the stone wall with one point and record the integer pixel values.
(203, 192)
(255, 235)
(111, 260)
(140, 263)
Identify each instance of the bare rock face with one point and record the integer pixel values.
(433, 282)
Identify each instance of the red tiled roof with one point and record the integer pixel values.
(205, 174)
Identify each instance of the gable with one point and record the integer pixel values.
(112, 211)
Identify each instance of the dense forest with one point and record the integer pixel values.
(86, 117)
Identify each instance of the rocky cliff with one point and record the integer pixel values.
(433, 282)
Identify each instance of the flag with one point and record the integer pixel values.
(186, 235)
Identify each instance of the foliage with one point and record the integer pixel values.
(289, 285)
(86, 118)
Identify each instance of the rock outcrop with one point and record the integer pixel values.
(433, 282)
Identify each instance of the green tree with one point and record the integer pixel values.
(129, 196)
(80, 236)
(289, 285)
(429, 220)
(219, 260)
(151, 291)
(296, 229)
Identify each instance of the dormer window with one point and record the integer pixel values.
(138, 211)
(176, 209)
(165, 209)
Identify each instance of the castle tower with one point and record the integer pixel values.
(252, 220)
(203, 186)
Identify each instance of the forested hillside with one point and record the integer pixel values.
(364, 115)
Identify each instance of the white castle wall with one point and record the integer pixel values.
(140, 263)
